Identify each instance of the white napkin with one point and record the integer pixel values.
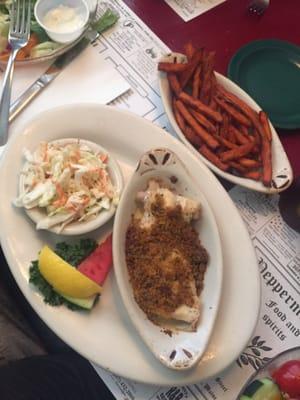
(88, 79)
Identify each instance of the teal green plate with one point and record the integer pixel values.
(269, 71)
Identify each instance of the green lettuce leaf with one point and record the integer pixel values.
(106, 21)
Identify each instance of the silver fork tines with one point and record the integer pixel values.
(19, 32)
(258, 7)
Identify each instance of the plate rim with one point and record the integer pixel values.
(19, 280)
(251, 48)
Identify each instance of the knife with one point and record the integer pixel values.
(55, 68)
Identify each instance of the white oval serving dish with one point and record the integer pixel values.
(107, 337)
(282, 175)
(36, 214)
(180, 350)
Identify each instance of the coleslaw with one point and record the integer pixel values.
(69, 181)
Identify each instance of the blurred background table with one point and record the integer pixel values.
(225, 29)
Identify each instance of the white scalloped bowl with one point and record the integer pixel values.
(80, 227)
(183, 349)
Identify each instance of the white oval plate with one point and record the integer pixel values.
(106, 336)
(282, 170)
(78, 227)
(183, 349)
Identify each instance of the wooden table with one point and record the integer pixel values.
(225, 29)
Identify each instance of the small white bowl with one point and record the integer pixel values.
(42, 7)
(81, 227)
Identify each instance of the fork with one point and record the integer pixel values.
(19, 31)
(258, 7)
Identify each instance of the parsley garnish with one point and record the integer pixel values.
(75, 253)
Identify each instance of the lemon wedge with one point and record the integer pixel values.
(64, 278)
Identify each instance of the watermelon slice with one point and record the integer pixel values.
(96, 266)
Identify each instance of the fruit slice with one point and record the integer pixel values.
(287, 377)
(262, 389)
(64, 278)
(86, 304)
(96, 266)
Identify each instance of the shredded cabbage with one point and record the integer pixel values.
(70, 182)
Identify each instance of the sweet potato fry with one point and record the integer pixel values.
(266, 156)
(238, 167)
(265, 124)
(174, 83)
(251, 138)
(208, 64)
(236, 153)
(189, 50)
(201, 132)
(247, 110)
(203, 120)
(231, 136)
(266, 149)
(244, 130)
(227, 143)
(255, 175)
(199, 106)
(238, 116)
(224, 127)
(240, 138)
(179, 119)
(192, 137)
(257, 136)
(191, 66)
(212, 157)
(213, 84)
(172, 67)
(196, 82)
(213, 104)
(249, 162)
